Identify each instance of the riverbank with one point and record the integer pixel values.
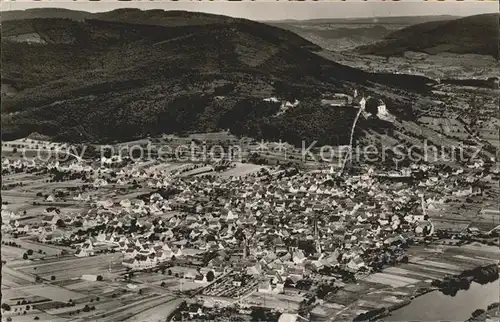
(380, 313)
(384, 294)
(437, 306)
(430, 269)
(451, 285)
(481, 315)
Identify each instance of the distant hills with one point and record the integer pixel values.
(101, 80)
(478, 34)
(398, 20)
(158, 17)
(130, 15)
(44, 13)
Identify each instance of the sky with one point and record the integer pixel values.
(274, 10)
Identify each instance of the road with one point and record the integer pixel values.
(349, 156)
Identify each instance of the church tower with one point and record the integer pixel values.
(316, 235)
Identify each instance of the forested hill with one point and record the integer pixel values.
(101, 80)
(478, 34)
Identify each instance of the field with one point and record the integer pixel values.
(110, 298)
(50, 292)
(157, 313)
(74, 267)
(242, 169)
(395, 284)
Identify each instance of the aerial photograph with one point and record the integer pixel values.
(250, 161)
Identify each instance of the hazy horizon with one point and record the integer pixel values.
(280, 10)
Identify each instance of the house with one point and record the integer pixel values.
(130, 253)
(494, 82)
(195, 311)
(189, 275)
(237, 281)
(23, 228)
(264, 287)
(87, 249)
(83, 253)
(337, 100)
(288, 317)
(299, 257)
(200, 278)
(51, 218)
(89, 277)
(355, 264)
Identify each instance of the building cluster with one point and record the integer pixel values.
(275, 225)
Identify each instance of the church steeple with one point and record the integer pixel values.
(316, 235)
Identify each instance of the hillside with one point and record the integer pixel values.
(172, 18)
(101, 81)
(476, 34)
(44, 13)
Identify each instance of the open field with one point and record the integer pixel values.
(75, 267)
(51, 292)
(157, 313)
(241, 169)
(49, 250)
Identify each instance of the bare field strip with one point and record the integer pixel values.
(424, 268)
(52, 292)
(402, 271)
(389, 279)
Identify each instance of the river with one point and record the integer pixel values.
(435, 306)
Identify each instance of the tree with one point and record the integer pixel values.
(25, 256)
(210, 276)
(258, 314)
(289, 282)
(60, 223)
(52, 278)
(162, 284)
(99, 278)
(36, 318)
(5, 307)
(477, 313)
